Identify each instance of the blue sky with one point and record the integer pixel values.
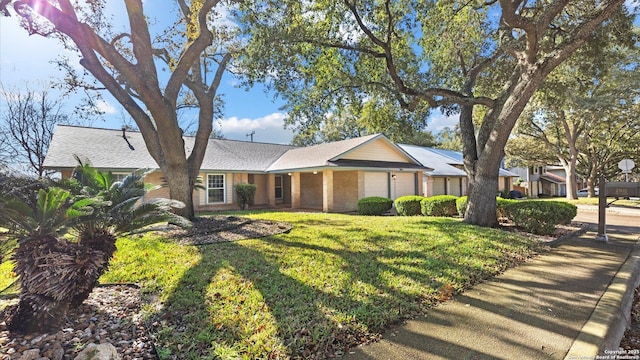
(27, 59)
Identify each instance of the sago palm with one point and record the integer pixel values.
(45, 264)
(127, 211)
(56, 272)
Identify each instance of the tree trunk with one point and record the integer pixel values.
(591, 180)
(483, 184)
(105, 244)
(51, 272)
(491, 139)
(181, 189)
(481, 203)
(37, 310)
(37, 313)
(570, 179)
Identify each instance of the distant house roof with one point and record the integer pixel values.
(553, 178)
(506, 173)
(443, 161)
(441, 164)
(108, 149)
(456, 156)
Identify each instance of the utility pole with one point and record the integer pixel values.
(253, 132)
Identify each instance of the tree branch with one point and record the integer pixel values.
(191, 55)
(141, 40)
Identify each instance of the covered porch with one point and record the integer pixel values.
(339, 190)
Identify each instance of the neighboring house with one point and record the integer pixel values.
(329, 177)
(548, 180)
(449, 176)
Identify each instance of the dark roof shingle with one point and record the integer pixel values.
(107, 149)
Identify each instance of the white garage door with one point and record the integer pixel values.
(405, 184)
(454, 186)
(376, 184)
(438, 186)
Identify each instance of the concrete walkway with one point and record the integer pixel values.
(568, 302)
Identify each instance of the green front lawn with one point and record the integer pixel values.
(334, 281)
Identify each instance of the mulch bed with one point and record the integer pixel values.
(222, 228)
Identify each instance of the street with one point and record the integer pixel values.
(618, 219)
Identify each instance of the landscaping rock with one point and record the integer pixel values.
(110, 316)
(98, 352)
(32, 354)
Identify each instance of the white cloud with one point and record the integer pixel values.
(105, 107)
(269, 128)
(440, 121)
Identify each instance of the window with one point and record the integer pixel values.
(278, 187)
(118, 177)
(215, 188)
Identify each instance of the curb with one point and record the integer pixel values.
(611, 316)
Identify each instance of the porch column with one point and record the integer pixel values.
(361, 184)
(327, 190)
(271, 189)
(295, 190)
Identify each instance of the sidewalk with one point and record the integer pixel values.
(534, 311)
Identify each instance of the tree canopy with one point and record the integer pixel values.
(587, 103)
(152, 74)
(482, 60)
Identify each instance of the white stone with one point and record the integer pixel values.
(30, 354)
(103, 351)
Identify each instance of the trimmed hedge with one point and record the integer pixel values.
(501, 206)
(501, 211)
(409, 205)
(461, 205)
(540, 217)
(374, 205)
(439, 205)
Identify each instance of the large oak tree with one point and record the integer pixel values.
(193, 53)
(588, 106)
(482, 60)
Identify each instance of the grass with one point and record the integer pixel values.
(332, 282)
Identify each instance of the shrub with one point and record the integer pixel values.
(439, 205)
(246, 193)
(374, 205)
(461, 205)
(501, 206)
(501, 211)
(409, 205)
(540, 217)
(565, 211)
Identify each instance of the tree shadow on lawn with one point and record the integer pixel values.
(534, 312)
(241, 303)
(246, 298)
